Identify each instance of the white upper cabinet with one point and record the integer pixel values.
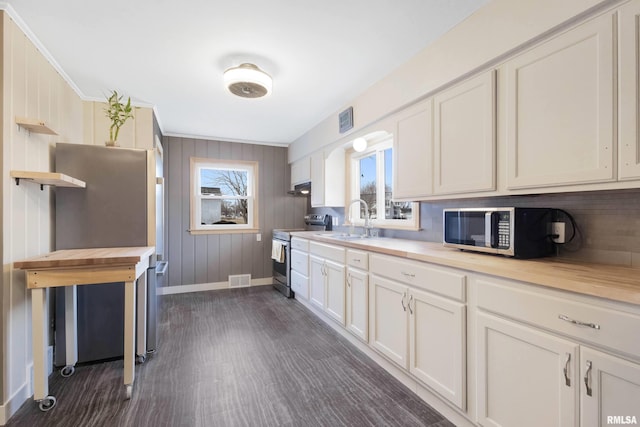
(412, 153)
(301, 171)
(560, 112)
(328, 178)
(629, 133)
(465, 137)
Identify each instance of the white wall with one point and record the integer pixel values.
(495, 29)
(31, 88)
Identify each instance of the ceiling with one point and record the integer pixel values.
(171, 55)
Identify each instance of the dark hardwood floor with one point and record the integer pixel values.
(243, 357)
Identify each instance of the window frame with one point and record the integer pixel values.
(353, 161)
(195, 196)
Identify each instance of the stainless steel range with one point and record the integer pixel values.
(282, 260)
(281, 253)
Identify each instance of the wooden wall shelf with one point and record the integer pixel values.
(53, 179)
(36, 126)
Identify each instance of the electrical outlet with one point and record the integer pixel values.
(557, 229)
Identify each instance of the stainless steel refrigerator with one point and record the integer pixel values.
(117, 208)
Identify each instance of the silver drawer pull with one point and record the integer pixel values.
(577, 322)
(356, 259)
(405, 274)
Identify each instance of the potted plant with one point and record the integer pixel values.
(118, 113)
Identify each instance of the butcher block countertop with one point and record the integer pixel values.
(86, 257)
(600, 280)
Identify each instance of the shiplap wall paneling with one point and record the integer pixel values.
(212, 258)
(32, 88)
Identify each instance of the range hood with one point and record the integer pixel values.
(303, 189)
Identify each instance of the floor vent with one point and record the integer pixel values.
(239, 280)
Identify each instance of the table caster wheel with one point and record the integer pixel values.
(128, 391)
(141, 359)
(47, 403)
(67, 371)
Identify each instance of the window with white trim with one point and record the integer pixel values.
(372, 181)
(224, 195)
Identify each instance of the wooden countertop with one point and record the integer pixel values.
(87, 257)
(600, 280)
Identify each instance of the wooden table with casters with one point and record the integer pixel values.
(73, 267)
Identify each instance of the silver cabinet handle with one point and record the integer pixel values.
(567, 380)
(410, 275)
(356, 260)
(348, 280)
(402, 301)
(577, 322)
(409, 305)
(587, 378)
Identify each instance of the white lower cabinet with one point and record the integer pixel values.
(437, 343)
(421, 331)
(610, 389)
(358, 303)
(530, 376)
(327, 279)
(388, 319)
(316, 281)
(521, 376)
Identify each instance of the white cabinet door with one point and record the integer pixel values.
(412, 153)
(316, 281)
(388, 319)
(609, 390)
(300, 285)
(464, 142)
(521, 377)
(335, 298)
(328, 178)
(437, 344)
(358, 303)
(629, 57)
(317, 179)
(300, 171)
(560, 121)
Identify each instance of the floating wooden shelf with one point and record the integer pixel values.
(34, 126)
(53, 179)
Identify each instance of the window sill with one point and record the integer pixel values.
(228, 231)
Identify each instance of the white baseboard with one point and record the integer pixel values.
(447, 410)
(200, 287)
(14, 403)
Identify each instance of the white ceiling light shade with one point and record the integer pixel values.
(248, 81)
(360, 144)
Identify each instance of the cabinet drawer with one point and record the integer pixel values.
(300, 244)
(358, 259)
(300, 285)
(618, 330)
(334, 253)
(440, 280)
(300, 262)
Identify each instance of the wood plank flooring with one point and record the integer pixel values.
(242, 357)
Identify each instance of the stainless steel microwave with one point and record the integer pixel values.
(514, 232)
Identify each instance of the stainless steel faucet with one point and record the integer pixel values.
(367, 216)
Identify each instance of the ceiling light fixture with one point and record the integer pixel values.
(360, 144)
(247, 81)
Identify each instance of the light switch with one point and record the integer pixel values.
(258, 237)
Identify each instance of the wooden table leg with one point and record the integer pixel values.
(39, 330)
(38, 310)
(129, 335)
(71, 330)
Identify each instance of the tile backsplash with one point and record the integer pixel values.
(608, 222)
